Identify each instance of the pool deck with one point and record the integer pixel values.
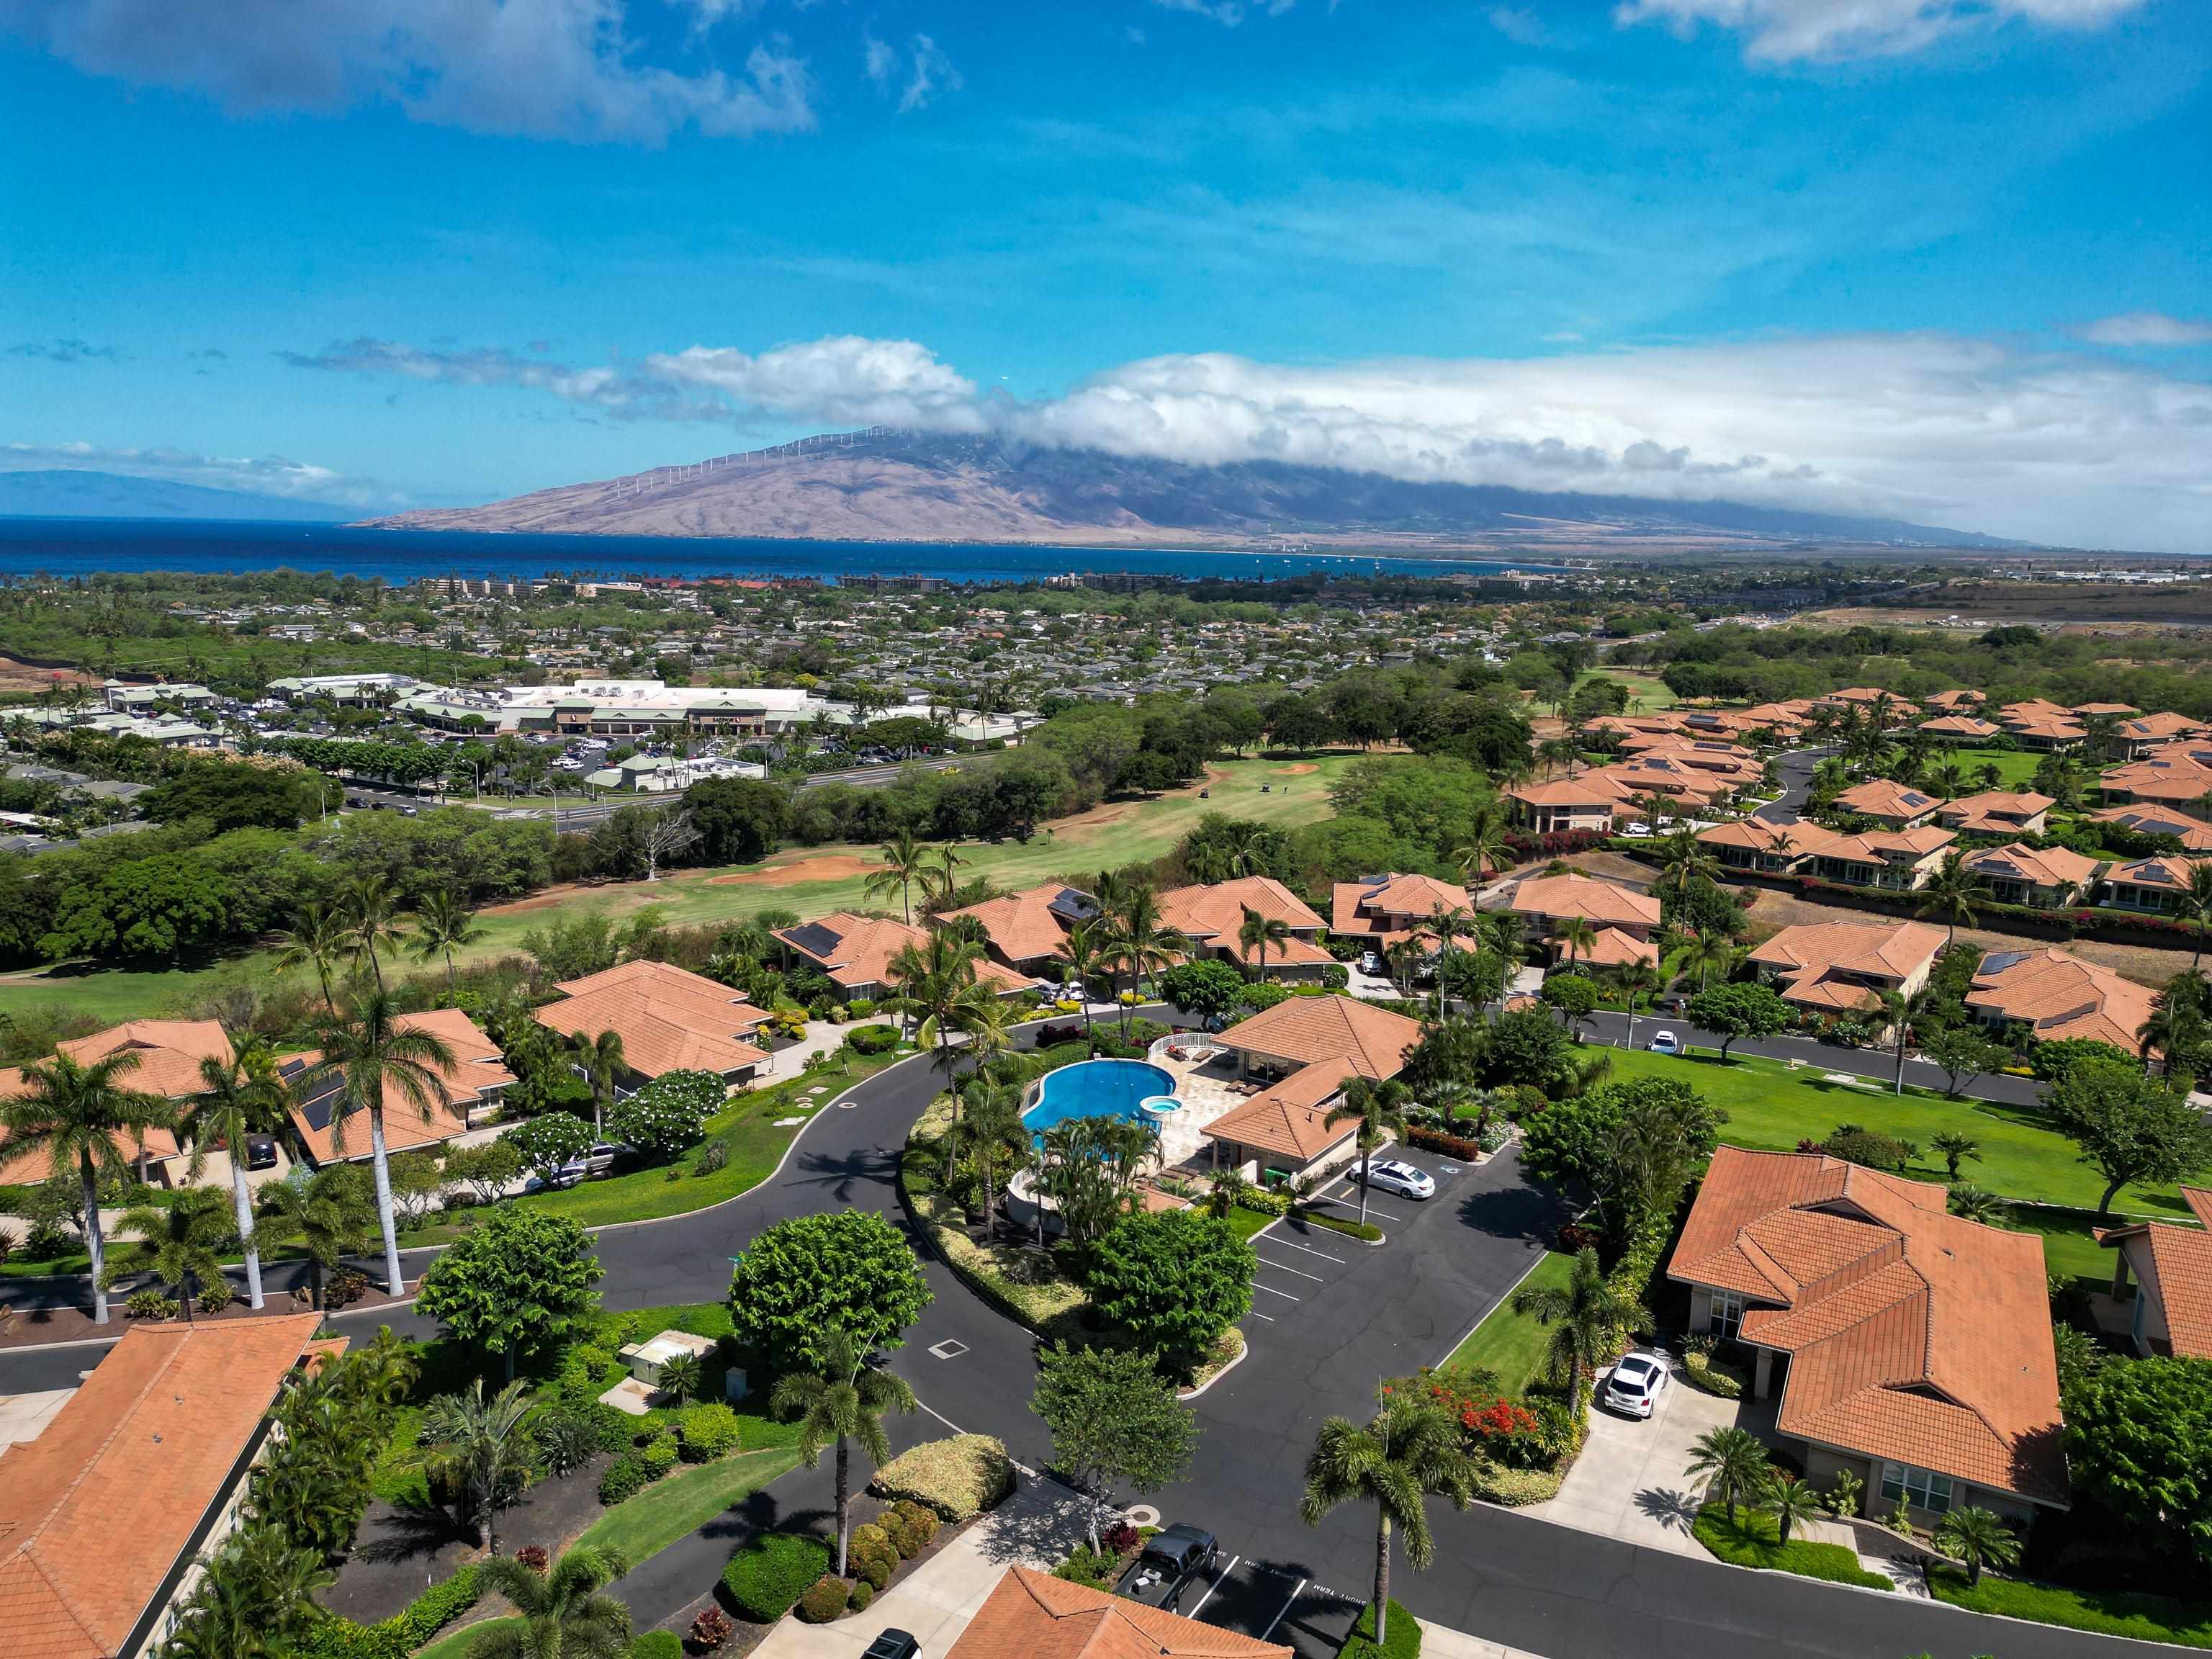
(1205, 1093)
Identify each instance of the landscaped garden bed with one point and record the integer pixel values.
(1750, 1540)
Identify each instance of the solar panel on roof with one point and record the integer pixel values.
(813, 938)
(1073, 904)
(1998, 961)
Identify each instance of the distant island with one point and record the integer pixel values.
(890, 486)
(67, 493)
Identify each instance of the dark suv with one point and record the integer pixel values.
(1171, 1558)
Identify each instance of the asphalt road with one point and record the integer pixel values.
(1362, 1314)
(1796, 768)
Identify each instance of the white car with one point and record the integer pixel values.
(1665, 1043)
(1638, 831)
(1392, 1175)
(1636, 1384)
(1370, 963)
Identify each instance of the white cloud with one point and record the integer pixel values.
(260, 474)
(927, 72)
(1229, 13)
(2150, 328)
(622, 393)
(1781, 31)
(547, 68)
(881, 59)
(845, 379)
(1519, 24)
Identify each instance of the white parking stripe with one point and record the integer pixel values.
(1214, 1586)
(1285, 1267)
(1286, 1607)
(1373, 1209)
(1288, 1245)
(1272, 1291)
(1256, 1314)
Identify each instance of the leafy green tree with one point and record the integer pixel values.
(1963, 1054)
(1408, 1451)
(844, 1402)
(482, 1450)
(846, 1270)
(1734, 1463)
(161, 906)
(1175, 1280)
(1976, 1537)
(487, 1169)
(1585, 1316)
(2129, 1127)
(550, 1142)
(1575, 996)
(1636, 1145)
(1114, 1422)
(1202, 988)
(669, 1115)
(565, 1611)
(2139, 1441)
(81, 1114)
(514, 1285)
(1733, 1012)
(1525, 1047)
(740, 820)
(1379, 1109)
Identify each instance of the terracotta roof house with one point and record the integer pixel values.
(1860, 696)
(1624, 918)
(1383, 909)
(1997, 812)
(1891, 860)
(2169, 1270)
(1306, 1048)
(142, 1470)
(1665, 774)
(2159, 781)
(2194, 835)
(669, 1020)
(1212, 914)
(2145, 731)
(856, 952)
(2030, 709)
(1785, 720)
(1629, 727)
(1764, 848)
(2056, 996)
(169, 1053)
(1958, 728)
(474, 1084)
(1888, 804)
(2042, 878)
(2048, 733)
(1565, 803)
(1025, 931)
(1832, 966)
(2116, 710)
(1033, 1615)
(2153, 883)
(1910, 1346)
(1954, 702)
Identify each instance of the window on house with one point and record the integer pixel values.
(1728, 1312)
(1922, 1488)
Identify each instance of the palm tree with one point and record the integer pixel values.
(1953, 893)
(181, 1241)
(566, 1613)
(373, 924)
(1976, 1537)
(1484, 851)
(482, 1449)
(683, 1374)
(365, 1060)
(845, 1402)
(1086, 955)
(1447, 925)
(1902, 1011)
(941, 880)
(1732, 1461)
(1409, 1450)
(330, 1215)
(1790, 1499)
(1687, 864)
(2176, 1026)
(1708, 949)
(1588, 1311)
(1262, 933)
(1637, 980)
(937, 990)
(1143, 942)
(444, 925)
(1973, 1203)
(319, 939)
(79, 1113)
(2194, 903)
(1576, 937)
(600, 1059)
(239, 1097)
(904, 859)
(1379, 1109)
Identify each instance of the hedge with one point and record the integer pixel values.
(1709, 1374)
(1364, 1230)
(824, 1599)
(710, 1429)
(766, 1578)
(1435, 1140)
(1403, 1642)
(958, 1477)
(413, 1626)
(658, 1644)
(1512, 1488)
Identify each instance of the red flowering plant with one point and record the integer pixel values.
(1491, 1421)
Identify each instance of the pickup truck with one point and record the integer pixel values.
(1171, 1558)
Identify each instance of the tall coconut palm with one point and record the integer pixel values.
(1379, 1109)
(566, 1612)
(481, 1450)
(1447, 925)
(1087, 955)
(1407, 1451)
(1734, 1463)
(1143, 944)
(1903, 1012)
(1637, 980)
(1484, 852)
(603, 1063)
(905, 860)
(318, 937)
(445, 924)
(364, 1061)
(332, 1215)
(80, 1114)
(1976, 1537)
(181, 1242)
(937, 988)
(844, 1403)
(1707, 948)
(241, 1096)
(1588, 1313)
(939, 881)
(1261, 933)
(1953, 895)
(1687, 866)
(1576, 937)
(373, 925)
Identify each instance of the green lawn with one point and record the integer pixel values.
(1118, 833)
(1244, 1223)
(455, 1644)
(1510, 1346)
(1773, 1108)
(2133, 1613)
(681, 1503)
(1749, 1541)
(2018, 765)
(1647, 693)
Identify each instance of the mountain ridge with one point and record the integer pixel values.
(69, 493)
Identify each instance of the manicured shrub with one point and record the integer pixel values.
(876, 1570)
(625, 1477)
(921, 1523)
(657, 1644)
(659, 1457)
(870, 1540)
(709, 1431)
(824, 1599)
(1435, 1140)
(863, 1592)
(767, 1577)
(958, 1477)
(214, 1297)
(567, 1439)
(872, 1039)
(904, 1536)
(149, 1304)
(1085, 1565)
(710, 1629)
(1122, 1538)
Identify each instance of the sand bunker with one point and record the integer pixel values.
(1296, 768)
(832, 867)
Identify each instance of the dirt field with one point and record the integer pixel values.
(834, 866)
(16, 678)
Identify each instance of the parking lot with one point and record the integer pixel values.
(1298, 1262)
(1273, 1605)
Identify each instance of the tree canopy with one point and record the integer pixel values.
(848, 1270)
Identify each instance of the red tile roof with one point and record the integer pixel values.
(169, 1053)
(2058, 995)
(1308, 1030)
(1555, 898)
(857, 950)
(1032, 1615)
(1212, 914)
(1021, 927)
(1816, 960)
(1880, 797)
(1292, 1117)
(478, 1068)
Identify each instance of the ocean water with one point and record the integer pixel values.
(83, 547)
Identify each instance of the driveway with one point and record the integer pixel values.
(1628, 1483)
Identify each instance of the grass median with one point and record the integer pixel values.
(1511, 1345)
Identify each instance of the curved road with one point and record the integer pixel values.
(1505, 1577)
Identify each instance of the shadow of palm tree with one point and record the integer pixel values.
(1674, 1510)
(410, 1532)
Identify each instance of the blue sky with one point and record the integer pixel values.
(1941, 258)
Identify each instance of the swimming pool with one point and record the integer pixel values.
(1100, 1088)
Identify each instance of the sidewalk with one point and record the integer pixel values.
(1439, 1643)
